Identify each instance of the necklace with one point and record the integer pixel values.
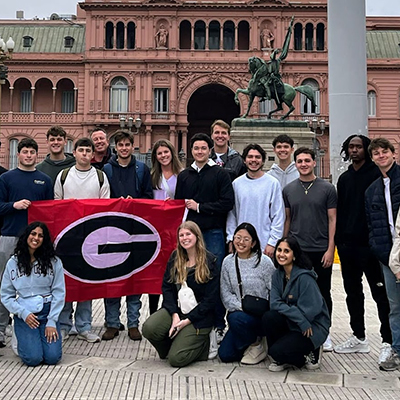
(306, 189)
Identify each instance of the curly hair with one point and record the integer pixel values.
(300, 258)
(254, 237)
(44, 255)
(345, 147)
(178, 271)
(156, 171)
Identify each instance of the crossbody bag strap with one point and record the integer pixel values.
(239, 278)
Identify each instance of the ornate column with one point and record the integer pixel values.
(221, 37)
(75, 100)
(54, 100)
(207, 37)
(148, 138)
(192, 41)
(11, 98)
(236, 37)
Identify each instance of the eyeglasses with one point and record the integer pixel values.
(239, 239)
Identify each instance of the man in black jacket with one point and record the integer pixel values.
(208, 194)
(382, 201)
(352, 243)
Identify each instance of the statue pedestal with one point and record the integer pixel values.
(263, 132)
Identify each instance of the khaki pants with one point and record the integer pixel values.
(189, 345)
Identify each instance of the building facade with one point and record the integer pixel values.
(176, 65)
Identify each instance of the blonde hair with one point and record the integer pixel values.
(156, 171)
(179, 271)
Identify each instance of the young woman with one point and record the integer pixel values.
(299, 322)
(184, 337)
(33, 290)
(165, 169)
(256, 270)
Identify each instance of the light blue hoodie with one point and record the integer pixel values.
(284, 176)
(20, 292)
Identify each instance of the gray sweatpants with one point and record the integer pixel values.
(7, 246)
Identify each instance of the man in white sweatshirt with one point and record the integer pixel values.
(258, 201)
(285, 171)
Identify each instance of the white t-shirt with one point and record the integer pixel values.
(388, 200)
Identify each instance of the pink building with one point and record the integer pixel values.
(176, 65)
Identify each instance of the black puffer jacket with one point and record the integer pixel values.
(380, 238)
(233, 163)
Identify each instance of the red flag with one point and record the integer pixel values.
(111, 248)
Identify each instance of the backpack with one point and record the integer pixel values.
(139, 174)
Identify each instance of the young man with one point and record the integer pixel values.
(356, 259)
(258, 200)
(102, 151)
(81, 181)
(56, 160)
(285, 171)
(18, 188)
(310, 205)
(382, 200)
(221, 153)
(208, 194)
(132, 181)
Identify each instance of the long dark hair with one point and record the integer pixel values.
(254, 237)
(44, 255)
(299, 258)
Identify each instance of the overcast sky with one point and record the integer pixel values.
(43, 9)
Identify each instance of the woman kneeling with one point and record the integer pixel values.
(33, 290)
(298, 323)
(180, 329)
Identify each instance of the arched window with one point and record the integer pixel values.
(306, 106)
(69, 146)
(298, 36)
(243, 35)
(185, 35)
(109, 35)
(320, 36)
(371, 103)
(120, 35)
(309, 36)
(13, 154)
(229, 35)
(214, 34)
(119, 95)
(199, 35)
(266, 106)
(130, 35)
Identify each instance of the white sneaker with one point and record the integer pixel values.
(89, 336)
(327, 346)
(64, 335)
(392, 363)
(14, 342)
(313, 360)
(220, 335)
(385, 353)
(277, 367)
(254, 354)
(353, 345)
(73, 331)
(213, 351)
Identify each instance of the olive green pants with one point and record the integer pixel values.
(189, 345)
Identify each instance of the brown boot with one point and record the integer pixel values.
(110, 334)
(134, 334)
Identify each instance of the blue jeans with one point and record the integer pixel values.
(215, 243)
(83, 316)
(243, 331)
(32, 343)
(393, 294)
(112, 308)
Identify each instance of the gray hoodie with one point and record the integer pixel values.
(52, 168)
(284, 176)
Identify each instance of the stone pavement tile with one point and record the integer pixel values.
(69, 360)
(310, 378)
(258, 374)
(204, 369)
(103, 363)
(371, 382)
(160, 367)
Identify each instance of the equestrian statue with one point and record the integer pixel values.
(266, 81)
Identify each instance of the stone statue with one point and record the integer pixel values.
(161, 36)
(267, 38)
(266, 81)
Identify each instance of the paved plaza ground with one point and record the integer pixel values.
(123, 369)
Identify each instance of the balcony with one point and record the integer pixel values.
(39, 118)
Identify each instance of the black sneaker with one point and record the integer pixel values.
(313, 360)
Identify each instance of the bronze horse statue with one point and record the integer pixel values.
(257, 87)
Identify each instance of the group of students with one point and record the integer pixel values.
(277, 311)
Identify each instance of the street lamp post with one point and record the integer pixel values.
(314, 124)
(6, 50)
(129, 124)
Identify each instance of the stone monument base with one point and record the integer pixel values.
(263, 132)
